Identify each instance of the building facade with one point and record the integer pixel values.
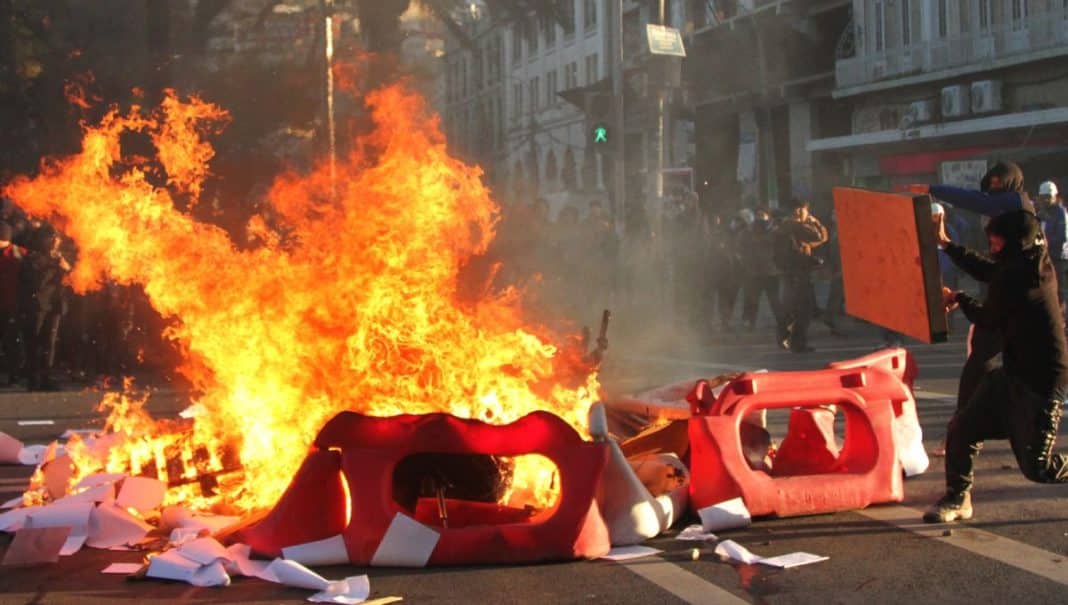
(939, 89)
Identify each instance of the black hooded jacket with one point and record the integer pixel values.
(1021, 302)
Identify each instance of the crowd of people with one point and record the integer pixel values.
(46, 332)
(703, 271)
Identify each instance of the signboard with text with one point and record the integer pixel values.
(665, 41)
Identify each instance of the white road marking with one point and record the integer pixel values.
(1049, 565)
(36, 422)
(683, 584)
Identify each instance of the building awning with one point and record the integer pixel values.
(1012, 121)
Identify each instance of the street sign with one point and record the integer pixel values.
(665, 40)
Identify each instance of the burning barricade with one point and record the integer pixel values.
(352, 406)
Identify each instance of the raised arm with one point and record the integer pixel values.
(987, 204)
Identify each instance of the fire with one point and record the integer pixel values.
(350, 301)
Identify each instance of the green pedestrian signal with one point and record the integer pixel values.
(600, 134)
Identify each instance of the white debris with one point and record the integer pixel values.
(111, 526)
(737, 553)
(729, 514)
(10, 449)
(141, 493)
(696, 533)
(330, 551)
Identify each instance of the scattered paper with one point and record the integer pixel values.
(213, 574)
(171, 565)
(696, 533)
(13, 520)
(32, 455)
(242, 564)
(122, 568)
(193, 411)
(204, 551)
(175, 517)
(294, 574)
(111, 526)
(729, 514)
(99, 493)
(330, 551)
(626, 553)
(141, 493)
(739, 554)
(83, 433)
(74, 543)
(349, 591)
(796, 559)
(74, 516)
(12, 503)
(733, 551)
(98, 479)
(10, 448)
(407, 543)
(36, 545)
(181, 535)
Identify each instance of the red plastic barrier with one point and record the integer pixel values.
(908, 433)
(866, 471)
(370, 449)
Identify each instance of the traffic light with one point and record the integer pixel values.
(600, 134)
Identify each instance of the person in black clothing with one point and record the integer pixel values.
(41, 306)
(798, 237)
(1022, 399)
(757, 244)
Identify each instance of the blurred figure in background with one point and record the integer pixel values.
(799, 236)
(686, 257)
(1054, 219)
(41, 306)
(11, 257)
(757, 245)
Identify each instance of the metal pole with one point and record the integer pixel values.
(328, 53)
(660, 94)
(618, 175)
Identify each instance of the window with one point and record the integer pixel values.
(548, 27)
(1020, 10)
(550, 88)
(943, 18)
(567, 13)
(983, 11)
(517, 101)
(906, 22)
(535, 94)
(591, 69)
(879, 29)
(571, 75)
(517, 43)
(589, 14)
(532, 38)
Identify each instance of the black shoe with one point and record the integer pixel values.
(952, 507)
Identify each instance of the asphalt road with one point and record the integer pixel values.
(1015, 550)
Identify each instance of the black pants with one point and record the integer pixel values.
(799, 298)
(1005, 408)
(984, 358)
(756, 287)
(1061, 267)
(40, 330)
(9, 340)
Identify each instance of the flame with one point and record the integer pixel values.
(351, 304)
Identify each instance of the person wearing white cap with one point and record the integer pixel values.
(1054, 219)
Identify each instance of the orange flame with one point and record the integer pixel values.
(354, 308)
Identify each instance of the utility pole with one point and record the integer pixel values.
(618, 175)
(328, 90)
(661, 93)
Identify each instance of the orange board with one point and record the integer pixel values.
(890, 262)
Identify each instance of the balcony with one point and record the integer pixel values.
(1042, 35)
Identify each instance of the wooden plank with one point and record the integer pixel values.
(890, 262)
